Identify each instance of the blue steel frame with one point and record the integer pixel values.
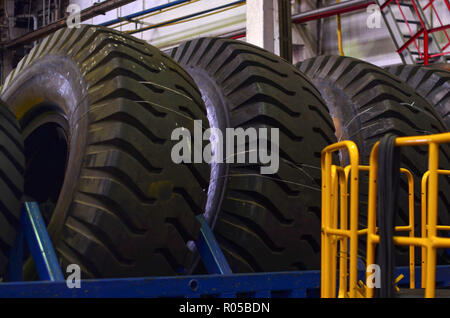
(220, 282)
(34, 230)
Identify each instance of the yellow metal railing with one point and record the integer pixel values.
(335, 198)
(330, 231)
(424, 220)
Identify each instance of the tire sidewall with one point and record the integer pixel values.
(57, 80)
(218, 117)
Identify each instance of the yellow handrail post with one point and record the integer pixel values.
(326, 166)
(423, 227)
(354, 202)
(333, 223)
(330, 233)
(412, 268)
(343, 258)
(432, 219)
(424, 221)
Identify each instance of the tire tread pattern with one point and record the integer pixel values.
(129, 193)
(266, 221)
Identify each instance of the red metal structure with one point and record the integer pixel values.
(407, 23)
(413, 17)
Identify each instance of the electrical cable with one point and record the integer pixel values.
(389, 158)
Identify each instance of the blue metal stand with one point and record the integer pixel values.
(220, 282)
(33, 228)
(210, 251)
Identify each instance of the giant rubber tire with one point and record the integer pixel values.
(125, 208)
(369, 102)
(431, 83)
(266, 222)
(12, 164)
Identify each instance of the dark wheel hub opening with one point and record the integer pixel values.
(46, 152)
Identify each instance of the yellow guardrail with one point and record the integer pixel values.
(337, 236)
(424, 220)
(329, 218)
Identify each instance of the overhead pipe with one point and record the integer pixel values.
(35, 21)
(187, 17)
(85, 14)
(343, 7)
(335, 9)
(139, 13)
(331, 10)
(27, 16)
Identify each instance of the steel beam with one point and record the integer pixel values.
(208, 248)
(261, 23)
(34, 231)
(285, 29)
(331, 10)
(307, 37)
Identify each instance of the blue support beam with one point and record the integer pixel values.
(277, 284)
(210, 251)
(34, 230)
(252, 285)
